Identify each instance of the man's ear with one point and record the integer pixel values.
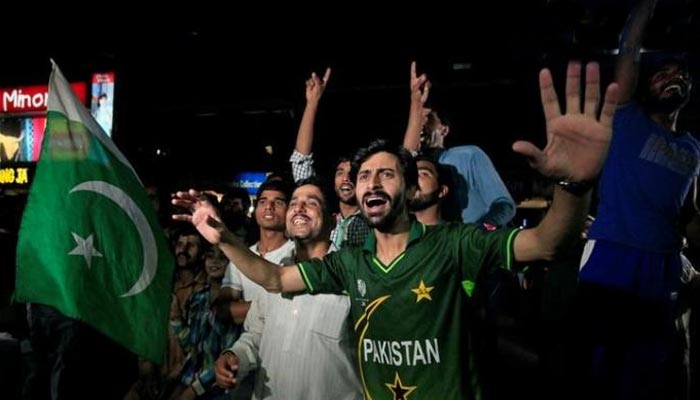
(444, 190)
(411, 192)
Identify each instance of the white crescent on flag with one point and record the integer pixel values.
(148, 241)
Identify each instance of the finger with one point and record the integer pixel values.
(573, 88)
(182, 195)
(426, 91)
(182, 203)
(315, 79)
(550, 102)
(413, 70)
(592, 94)
(182, 217)
(609, 105)
(195, 194)
(327, 75)
(534, 155)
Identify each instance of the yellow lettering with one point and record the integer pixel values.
(22, 175)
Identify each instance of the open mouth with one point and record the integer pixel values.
(375, 203)
(675, 87)
(346, 189)
(300, 220)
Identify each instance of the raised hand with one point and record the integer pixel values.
(226, 367)
(316, 86)
(204, 215)
(577, 141)
(420, 86)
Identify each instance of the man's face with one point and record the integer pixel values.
(270, 210)
(343, 186)
(429, 190)
(381, 190)
(305, 217)
(187, 250)
(669, 88)
(233, 206)
(434, 132)
(215, 262)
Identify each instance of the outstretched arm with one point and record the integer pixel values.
(206, 219)
(577, 145)
(420, 87)
(627, 67)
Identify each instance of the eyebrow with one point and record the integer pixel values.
(311, 196)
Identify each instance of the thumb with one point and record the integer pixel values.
(534, 155)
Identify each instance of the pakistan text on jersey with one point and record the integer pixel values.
(401, 353)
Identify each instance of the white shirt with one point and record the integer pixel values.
(233, 278)
(301, 347)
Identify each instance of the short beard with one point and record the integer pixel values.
(352, 201)
(420, 203)
(667, 105)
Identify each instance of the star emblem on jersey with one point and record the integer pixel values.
(423, 292)
(400, 391)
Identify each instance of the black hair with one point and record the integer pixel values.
(406, 161)
(237, 193)
(276, 185)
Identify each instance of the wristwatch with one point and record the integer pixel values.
(576, 188)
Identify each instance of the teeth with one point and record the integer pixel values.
(298, 221)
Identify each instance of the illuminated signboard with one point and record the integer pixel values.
(32, 99)
(250, 181)
(102, 103)
(17, 175)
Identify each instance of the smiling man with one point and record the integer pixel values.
(300, 344)
(408, 284)
(631, 265)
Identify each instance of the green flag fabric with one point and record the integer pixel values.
(89, 243)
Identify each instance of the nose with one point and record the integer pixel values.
(299, 207)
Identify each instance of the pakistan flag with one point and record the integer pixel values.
(90, 244)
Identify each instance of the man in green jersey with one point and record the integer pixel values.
(407, 284)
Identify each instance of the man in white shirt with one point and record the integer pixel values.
(270, 210)
(283, 332)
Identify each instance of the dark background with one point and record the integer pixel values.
(210, 87)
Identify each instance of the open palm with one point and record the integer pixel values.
(204, 215)
(577, 141)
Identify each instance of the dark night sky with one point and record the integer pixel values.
(213, 89)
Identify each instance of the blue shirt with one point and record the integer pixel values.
(645, 179)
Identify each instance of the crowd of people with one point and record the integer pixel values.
(396, 276)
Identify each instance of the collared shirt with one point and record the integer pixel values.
(348, 231)
(184, 291)
(233, 278)
(408, 314)
(202, 338)
(300, 346)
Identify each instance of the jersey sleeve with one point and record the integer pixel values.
(478, 249)
(327, 274)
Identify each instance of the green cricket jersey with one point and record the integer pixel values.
(408, 315)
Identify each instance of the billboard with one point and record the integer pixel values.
(21, 138)
(102, 100)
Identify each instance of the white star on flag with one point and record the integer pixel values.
(84, 248)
